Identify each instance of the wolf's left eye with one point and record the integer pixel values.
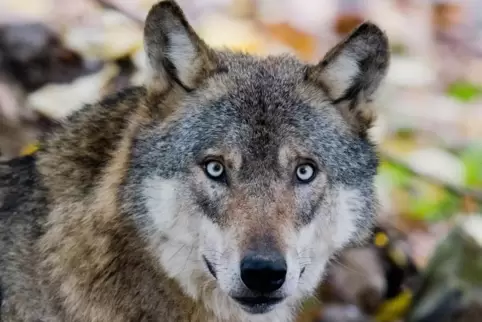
(214, 169)
(305, 173)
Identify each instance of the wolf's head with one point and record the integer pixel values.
(261, 168)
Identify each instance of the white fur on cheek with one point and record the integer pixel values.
(163, 205)
(312, 255)
(218, 246)
(330, 230)
(346, 211)
(172, 220)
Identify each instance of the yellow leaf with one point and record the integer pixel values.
(398, 256)
(395, 308)
(220, 31)
(29, 149)
(381, 240)
(303, 43)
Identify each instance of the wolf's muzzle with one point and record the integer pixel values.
(263, 274)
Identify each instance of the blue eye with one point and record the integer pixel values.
(214, 169)
(305, 173)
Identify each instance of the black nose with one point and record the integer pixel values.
(263, 274)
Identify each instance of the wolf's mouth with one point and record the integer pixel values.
(258, 304)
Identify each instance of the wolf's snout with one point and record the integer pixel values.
(263, 274)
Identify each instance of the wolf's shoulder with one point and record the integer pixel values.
(20, 191)
(18, 195)
(16, 177)
(74, 155)
(22, 213)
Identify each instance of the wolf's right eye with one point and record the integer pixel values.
(214, 169)
(305, 173)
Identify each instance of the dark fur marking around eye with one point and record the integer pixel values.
(307, 217)
(209, 207)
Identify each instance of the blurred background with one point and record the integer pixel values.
(424, 262)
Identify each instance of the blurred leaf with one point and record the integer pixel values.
(394, 309)
(425, 199)
(405, 133)
(400, 144)
(432, 203)
(399, 49)
(303, 43)
(29, 149)
(470, 206)
(464, 91)
(346, 23)
(472, 159)
(416, 198)
(311, 309)
(221, 31)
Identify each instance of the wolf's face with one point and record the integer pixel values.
(261, 171)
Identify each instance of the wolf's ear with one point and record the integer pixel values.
(175, 52)
(352, 72)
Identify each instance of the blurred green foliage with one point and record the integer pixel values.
(472, 159)
(464, 91)
(416, 198)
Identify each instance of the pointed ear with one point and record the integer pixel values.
(352, 71)
(174, 51)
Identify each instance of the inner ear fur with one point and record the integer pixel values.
(351, 74)
(175, 53)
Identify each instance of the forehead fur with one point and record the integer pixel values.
(242, 66)
(257, 106)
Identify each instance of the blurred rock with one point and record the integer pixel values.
(451, 290)
(362, 269)
(424, 242)
(108, 37)
(34, 55)
(376, 278)
(14, 11)
(19, 125)
(343, 313)
(31, 56)
(12, 133)
(438, 163)
(60, 100)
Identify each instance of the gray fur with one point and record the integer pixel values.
(87, 227)
(257, 118)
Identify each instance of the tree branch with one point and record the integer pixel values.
(114, 5)
(474, 194)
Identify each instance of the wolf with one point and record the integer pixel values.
(218, 191)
